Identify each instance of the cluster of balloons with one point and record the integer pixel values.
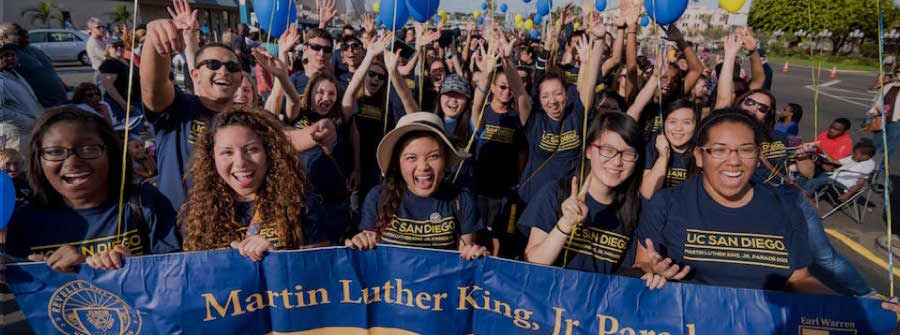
(275, 15)
(393, 14)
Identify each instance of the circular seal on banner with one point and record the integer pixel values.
(80, 308)
(435, 217)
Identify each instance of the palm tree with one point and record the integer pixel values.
(44, 11)
(120, 15)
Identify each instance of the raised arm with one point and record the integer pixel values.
(375, 50)
(190, 33)
(516, 86)
(653, 178)
(591, 52)
(397, 81)
(758, 75)
(631, 13)
(618, 46)
(277, 67)
(483, 80)
(327, 12)
(695, 69)
(725, 87)
(644, 97)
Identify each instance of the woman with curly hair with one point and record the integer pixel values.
(413, 206)
(248, 189)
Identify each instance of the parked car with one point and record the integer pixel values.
(61, 45)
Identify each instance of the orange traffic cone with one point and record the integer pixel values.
(785, 68)
(833, 72)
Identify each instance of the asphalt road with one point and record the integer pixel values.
(847, 95)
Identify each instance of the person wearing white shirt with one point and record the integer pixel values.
(892, 114)
(852, 172)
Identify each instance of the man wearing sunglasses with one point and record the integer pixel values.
(318, 51)
(96, 43)
(179, 119)
(352, 55)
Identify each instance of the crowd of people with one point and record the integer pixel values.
(577, 149)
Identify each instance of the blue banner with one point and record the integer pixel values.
(400, 290)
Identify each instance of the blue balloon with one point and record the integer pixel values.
(280, 13)
(600, 5)
(7, 199)
(665, 12)
(480, 20)
(526, 1)
(378, 20)
(387, 15)
(645, 21)
(543, 6)
(534, 34)
(484, 6)
(537, 19)
(503, 8)
(422, 10)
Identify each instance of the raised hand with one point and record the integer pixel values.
(568, 15)
(486, 60)
(378, 46)
(747, 40)
(732, 44)
(368, 23)
(662, 270)
(583, 47)
(289, 38)
(630, 12)
(391, 60)
(253, 247)
(270, 63)
(505, 45)
(165, 37)
(574, 209)
(183, 16)
(327, 12)
(598, 29)
(673, 34)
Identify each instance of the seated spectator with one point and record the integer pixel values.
(12, 162)
(87, 96)
(851, 172)
(788, 121)
(835, 143)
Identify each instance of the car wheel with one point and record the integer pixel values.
(83, 58)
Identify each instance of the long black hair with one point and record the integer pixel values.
(44, 193)
(720, 116)
(627, 198)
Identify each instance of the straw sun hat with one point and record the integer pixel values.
(415, 122)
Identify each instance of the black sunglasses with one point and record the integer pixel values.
(317, 48)
(374, 74)
(215, 65)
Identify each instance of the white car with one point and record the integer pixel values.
(61, 45)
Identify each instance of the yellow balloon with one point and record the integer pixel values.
(376, 7)
(476, 14)
(529, 24)
(731, 6)
(442, 13)
(520, 24)
(576, 25)
(519, 18)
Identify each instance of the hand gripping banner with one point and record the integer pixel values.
(396, 290)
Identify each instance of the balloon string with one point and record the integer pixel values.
(815, 72)
(127, 128)
(387, 99)
(884, 130)
(272, 19)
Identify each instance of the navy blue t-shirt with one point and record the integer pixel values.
(300, 80)
(369, 119)
(650, 122)
(776, 152)
(34, 230)
(676, 167)
(757, 246)
(310, 222)
(328, 174)
(599, 243)
(545, 136)
(497, 152)
(176, 130)
(434, 222)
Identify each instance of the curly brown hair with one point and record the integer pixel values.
(210, 220)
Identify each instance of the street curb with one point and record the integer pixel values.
(824, 70)
(862, 251)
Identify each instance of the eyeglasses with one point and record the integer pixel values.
(723, 152)
(215, 65)
(352, 46)
(763, 108)
(324, 48)
(374, 74)
(59, 154)
(610, 152)
(92, 94)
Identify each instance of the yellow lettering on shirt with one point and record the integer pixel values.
(196, 133)
(771, 150)
(421, 233)
(675, 176)
(370, 112)
(736, 248)
(553, 142)
(498, 134)
(268, 232)
(598, 243)
(571, 77)
(129, 239)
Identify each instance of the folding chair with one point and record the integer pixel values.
(852, 207)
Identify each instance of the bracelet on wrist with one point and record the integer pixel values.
(480, 89)
(561, 231)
